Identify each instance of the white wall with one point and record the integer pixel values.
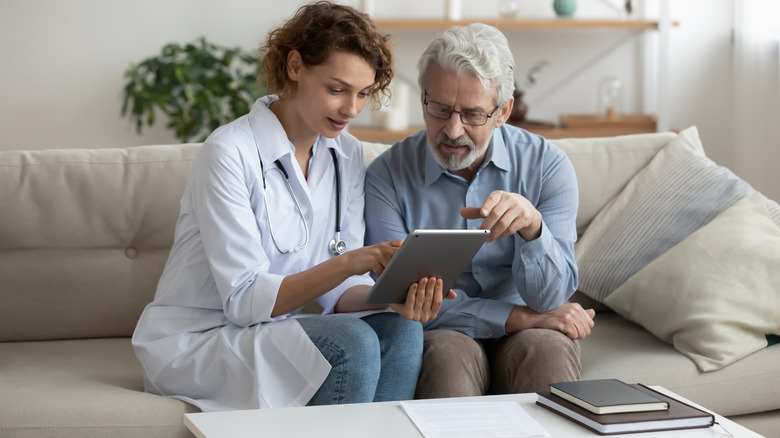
(63, 62)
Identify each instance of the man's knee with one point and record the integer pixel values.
(546, 344)
(454, 365)
(528, 361)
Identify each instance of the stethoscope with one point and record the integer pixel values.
(336, 245)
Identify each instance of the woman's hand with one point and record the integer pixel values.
(423, 300)
(300, 288)
(372, 258)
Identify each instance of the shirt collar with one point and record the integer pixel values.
(497, 154)
(268, 132)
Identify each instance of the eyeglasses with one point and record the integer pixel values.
(471, 117)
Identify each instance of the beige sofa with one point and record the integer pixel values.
(84, 235)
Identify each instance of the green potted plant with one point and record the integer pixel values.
(199, 86)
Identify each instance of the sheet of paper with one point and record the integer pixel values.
(473, 420)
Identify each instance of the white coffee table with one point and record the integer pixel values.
(387, 419)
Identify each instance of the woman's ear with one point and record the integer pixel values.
(294, 65)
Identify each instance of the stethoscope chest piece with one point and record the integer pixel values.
(337, 246)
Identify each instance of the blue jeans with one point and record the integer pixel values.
(374, 358)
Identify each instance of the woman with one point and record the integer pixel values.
(272, 200)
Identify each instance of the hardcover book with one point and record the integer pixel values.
(679, 415)
(607, 396)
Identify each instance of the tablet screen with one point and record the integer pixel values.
(426, 253)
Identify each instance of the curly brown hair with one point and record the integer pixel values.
(316, 30)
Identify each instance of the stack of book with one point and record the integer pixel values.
(610, 406)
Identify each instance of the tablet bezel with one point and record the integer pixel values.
(426, 253)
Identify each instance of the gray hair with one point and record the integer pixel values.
(476, 49)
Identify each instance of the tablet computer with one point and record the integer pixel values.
(426, 253)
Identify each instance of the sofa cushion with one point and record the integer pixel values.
(682, 302)
(82, 388)
(715, 295)
(605, 165)
(87, 233)
(678, 192)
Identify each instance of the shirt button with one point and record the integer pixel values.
(471, 189)
(131, 252)
(490, 333)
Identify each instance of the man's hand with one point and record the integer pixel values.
(570, 319)
(507, 213)
(423, 300)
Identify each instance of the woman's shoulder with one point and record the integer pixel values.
(236, 132)
(230, 146)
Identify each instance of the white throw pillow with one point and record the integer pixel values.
(715, 295)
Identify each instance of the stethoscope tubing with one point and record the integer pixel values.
(337, 246)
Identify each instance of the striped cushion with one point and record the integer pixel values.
(714, 295)
(773, 209)
(678, 192)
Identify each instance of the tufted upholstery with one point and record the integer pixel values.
(84, 237)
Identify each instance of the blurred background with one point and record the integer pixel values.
(716, 66)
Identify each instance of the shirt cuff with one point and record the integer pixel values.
(537, 247)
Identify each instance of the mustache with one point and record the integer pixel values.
(463, 140)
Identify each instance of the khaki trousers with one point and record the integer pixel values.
(455, 365)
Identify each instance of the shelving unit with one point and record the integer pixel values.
(384, 136)
(553, 23)
(655, 68)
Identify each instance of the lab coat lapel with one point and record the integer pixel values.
(268, 132)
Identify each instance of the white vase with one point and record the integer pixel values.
(368, 6)
(452, 10)
(508, 8)
(397, 114)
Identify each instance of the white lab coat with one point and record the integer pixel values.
(208, 337)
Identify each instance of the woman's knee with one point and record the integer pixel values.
(343, 339)
(396, 332)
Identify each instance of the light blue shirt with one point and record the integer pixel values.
(406, 189)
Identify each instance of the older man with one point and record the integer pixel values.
(510, 329)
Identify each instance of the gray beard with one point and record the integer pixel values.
(453, 162)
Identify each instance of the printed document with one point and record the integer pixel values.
(473, 420)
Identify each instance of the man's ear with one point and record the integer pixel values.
(294, 65)
(502, 114)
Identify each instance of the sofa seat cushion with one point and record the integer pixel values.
(81, 388)
(618, 348)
